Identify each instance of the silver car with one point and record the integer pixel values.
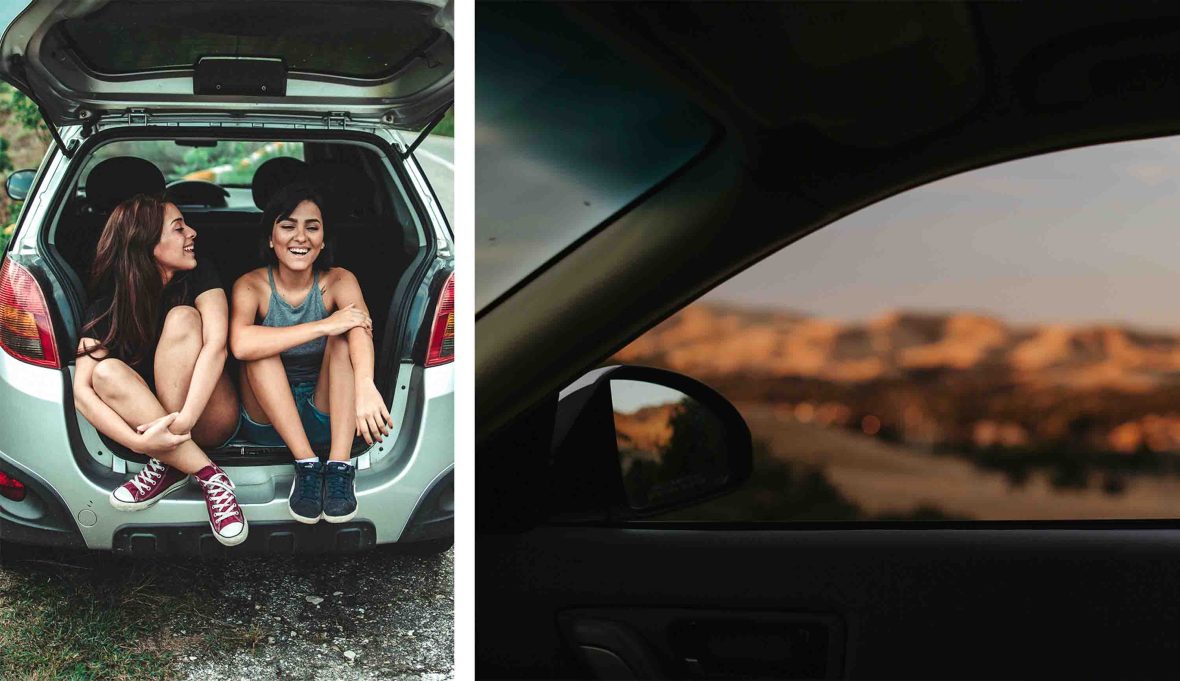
(220, 103)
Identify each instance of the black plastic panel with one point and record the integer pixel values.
(267, 538)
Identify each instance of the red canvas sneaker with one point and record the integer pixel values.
(148, 486)
(225, 515)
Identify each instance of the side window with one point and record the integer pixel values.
(1003, 344)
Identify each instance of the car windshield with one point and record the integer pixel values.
(581, 133)
(228, 164)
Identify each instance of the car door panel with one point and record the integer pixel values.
(916, 603)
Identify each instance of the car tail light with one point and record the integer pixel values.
(11, 488)
(26, 332)
(442, 335)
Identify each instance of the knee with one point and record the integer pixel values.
(109, 378)
(183, 322)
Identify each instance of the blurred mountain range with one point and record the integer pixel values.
(959, 379)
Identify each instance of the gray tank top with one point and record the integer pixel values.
(301, 362)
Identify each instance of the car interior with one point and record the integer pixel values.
(819, 110)
(369, 221)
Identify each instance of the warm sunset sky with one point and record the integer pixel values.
(1089, 234)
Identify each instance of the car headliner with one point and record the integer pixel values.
(821, 110)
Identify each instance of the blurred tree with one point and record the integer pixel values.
(24, 138)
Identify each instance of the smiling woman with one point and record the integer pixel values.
(151, 355)
(307, 375)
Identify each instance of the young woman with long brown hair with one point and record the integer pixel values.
(151, 360)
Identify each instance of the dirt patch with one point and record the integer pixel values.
(380, 614)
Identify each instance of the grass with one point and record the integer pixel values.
(92, 616)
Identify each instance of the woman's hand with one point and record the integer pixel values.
(344, 319)
(155, 438)
(372, 418)
(182, 424)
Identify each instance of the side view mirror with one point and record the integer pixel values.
(632, 441)
(19, 183)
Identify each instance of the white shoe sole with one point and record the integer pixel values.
(235, 540)
(303, 519)
(342, 518)
(339, 518)
(141, 505)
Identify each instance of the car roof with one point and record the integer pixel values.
(821, 110)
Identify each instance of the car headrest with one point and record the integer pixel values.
(273, 175)
(347, 191)
(117, 179)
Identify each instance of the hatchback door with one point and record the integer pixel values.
(386, 61)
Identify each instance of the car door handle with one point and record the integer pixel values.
(613, 650)
(682, 643)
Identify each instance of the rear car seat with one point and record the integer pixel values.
(110, 183)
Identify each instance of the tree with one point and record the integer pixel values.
(24, 138)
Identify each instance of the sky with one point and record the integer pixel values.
(1084, 235)
(628, 397)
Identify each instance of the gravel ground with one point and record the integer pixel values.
(382, 614)
(377, 615)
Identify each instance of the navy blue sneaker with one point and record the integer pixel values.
(306, 500)
(339, 492)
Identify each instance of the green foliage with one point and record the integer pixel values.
(233, 154)
(87, 616)
(446, 127)
(24, 111)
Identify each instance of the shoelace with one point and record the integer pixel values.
(309, 485)
(148, 476)
(219, 491)
(339, 485)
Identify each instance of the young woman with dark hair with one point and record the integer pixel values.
(303, 333)
(151, 360)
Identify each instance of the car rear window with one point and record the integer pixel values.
(228, 164)
(354, 39)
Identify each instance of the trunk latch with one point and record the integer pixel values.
(337, 120)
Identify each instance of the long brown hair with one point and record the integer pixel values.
(125, 266)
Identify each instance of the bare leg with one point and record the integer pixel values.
(176, 357)
(335, 396)
(268, 399)
(126, 392)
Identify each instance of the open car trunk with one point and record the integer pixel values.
(376, 226)
(381, 61)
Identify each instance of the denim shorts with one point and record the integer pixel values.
(315, 422)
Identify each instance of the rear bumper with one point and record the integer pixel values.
(41, 519)
(36, 446)
(265, 538)
(435, 516)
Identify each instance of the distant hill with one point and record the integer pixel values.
(707, 340)
(647, 429)
(937, 379)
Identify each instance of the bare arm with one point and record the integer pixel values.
(372, 416)
(106, 420)
(346, 290)
(214, 311)
(249, 341)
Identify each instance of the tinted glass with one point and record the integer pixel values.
(361, 39)
(562, 143)
(228, 164)
(670, 446)
(999, 345)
